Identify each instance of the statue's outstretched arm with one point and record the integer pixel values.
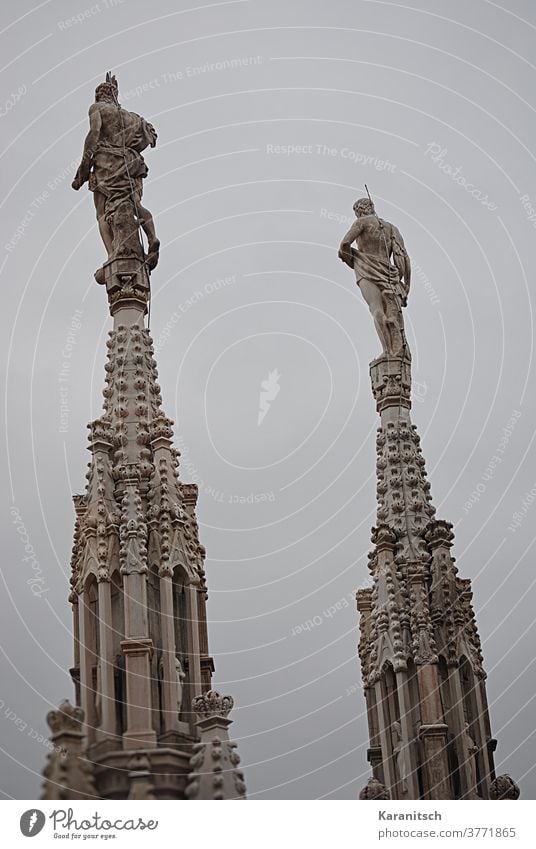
(90, 145)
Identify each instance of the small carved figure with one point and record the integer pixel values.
(181, 676)
(402, 758)
(385, 287)
(470, 752)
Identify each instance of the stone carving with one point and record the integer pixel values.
(391, 382)
(504, 787)
(403, 493)
(470, 751)
(401, 752)
(65, 718)
(385, 287)
(140, 777)
(138, 584)
(181, 677)
(214, 773)
(68, 774)
(113, 166)
(374, 790)
(424, 646)
(417, 619)
(212, 704)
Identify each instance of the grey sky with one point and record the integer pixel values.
(368, 91)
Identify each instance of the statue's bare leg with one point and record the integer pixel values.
(104, 228)
(146, 220)
(374, 299)
(393, 313)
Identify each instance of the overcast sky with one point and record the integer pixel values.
(271, 116)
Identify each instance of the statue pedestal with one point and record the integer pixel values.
(391, 383)
(128, 288)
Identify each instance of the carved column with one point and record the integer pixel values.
(457, 730)
(87, 661)
(484, 755)
(389, 776)
(407, 731)
(106, 659)
(194, 661)
(169, 677)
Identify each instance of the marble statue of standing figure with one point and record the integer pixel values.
(470, 752)
(384, 286)
(114, 169)
(402, 758)
(181, 677)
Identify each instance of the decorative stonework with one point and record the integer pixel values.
(66, 718)
(68, 774)
(214, 763)
(137, 586)
(419, 648)
(140, 777)
(391, 382)
(504, 787)
(212, 704)
(374, 790)
(113, 166)
(404, 500)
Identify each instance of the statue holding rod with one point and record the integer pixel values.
(384, 286)
(114, 169)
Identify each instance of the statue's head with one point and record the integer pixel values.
(363, 206)
(108, 90)
(105, 92)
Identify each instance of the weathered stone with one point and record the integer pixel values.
(385, 287)
(374, 790)
(114, 168)
(137, 586)
(504, 787)
(419, 647)
(214, 764)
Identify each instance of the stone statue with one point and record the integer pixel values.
(470, 751)
(114, 168)
(181, 676)
(385, 287)
(402, 758)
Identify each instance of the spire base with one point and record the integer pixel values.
(391, 383)
(128, 288)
